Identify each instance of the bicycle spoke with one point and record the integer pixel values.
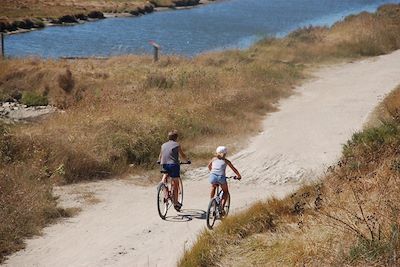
(212, 214)
(162, 200)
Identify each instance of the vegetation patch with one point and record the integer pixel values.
(117, 112)
(351, 218)
(34, 99)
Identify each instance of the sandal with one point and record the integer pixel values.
(178, 206)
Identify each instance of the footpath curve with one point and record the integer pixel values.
(298, 143)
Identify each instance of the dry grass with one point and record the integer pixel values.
(19, 9)
(117, 111)
(350, 219)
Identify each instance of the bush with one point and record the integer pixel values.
(66, 81)
(34, 99)
(158, 80)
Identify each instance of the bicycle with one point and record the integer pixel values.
(165, 194)
(214, 210)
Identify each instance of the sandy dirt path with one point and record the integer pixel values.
(298, 143)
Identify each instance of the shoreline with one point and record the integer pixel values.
(41, 23)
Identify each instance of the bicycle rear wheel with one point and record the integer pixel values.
(227, 205)
(162, 201)
(212, 213)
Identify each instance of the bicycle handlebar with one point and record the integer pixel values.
(180, 163)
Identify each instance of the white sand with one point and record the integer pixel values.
(298, 143)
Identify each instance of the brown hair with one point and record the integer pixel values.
(173, 135)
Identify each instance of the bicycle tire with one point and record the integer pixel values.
(227, 205)
(212, 213)
(162, 203)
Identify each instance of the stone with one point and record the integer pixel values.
(96, 15)
(67, 19)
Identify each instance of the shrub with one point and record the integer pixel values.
(158, 80)
(66, 81)
(34, 99)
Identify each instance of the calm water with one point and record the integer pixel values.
(227, 24)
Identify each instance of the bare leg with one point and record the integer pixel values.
(164, 178)
(165, 181)
(224, 188)
(213, 188)
(175, 186)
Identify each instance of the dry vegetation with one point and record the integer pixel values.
(117, 111)
(12, 10)
(350, 218)
(19, 9)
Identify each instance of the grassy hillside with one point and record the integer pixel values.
(350, 218)
(12, 10)
(116, 112)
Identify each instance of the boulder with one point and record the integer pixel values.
(96, 15)
(4, 26)
(67, 19)
(54, 21)
(148, 8)
(38, 23)
(179, 3)
(162, 3)
(141, 10)
(134, 12)
(81, 16)
(28, 24)
(20, 24)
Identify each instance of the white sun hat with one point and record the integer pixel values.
(222, 150)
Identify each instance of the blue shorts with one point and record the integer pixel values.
(173, 170)
(217, 179)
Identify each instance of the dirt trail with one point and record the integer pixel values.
(297, 143)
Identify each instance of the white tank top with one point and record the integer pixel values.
(218, 167)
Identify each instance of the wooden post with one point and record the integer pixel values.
(156, 49)
(2, 46)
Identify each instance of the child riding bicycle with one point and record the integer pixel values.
(217, 167)
(169, 160)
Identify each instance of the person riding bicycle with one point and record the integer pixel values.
(169, 160)
(217, 167)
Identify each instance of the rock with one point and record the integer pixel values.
(54, 21)
(38, 23)
(28, 24)
(81, 16)
(96, 15)
(67, 19)
(20, 24)
(134, 12)
(141, 10)
(180, 3)
(148, 8)
(158, 3)
(4, 25)
(19, 112)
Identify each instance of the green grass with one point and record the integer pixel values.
(34, 99)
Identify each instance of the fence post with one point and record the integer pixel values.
(2, 46)
(156, 48)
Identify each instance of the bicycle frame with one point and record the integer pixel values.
(215, 210)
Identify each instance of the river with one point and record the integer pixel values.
(221, 25)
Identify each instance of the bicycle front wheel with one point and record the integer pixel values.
(162, 200)
(212, 213)
(180, 192)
